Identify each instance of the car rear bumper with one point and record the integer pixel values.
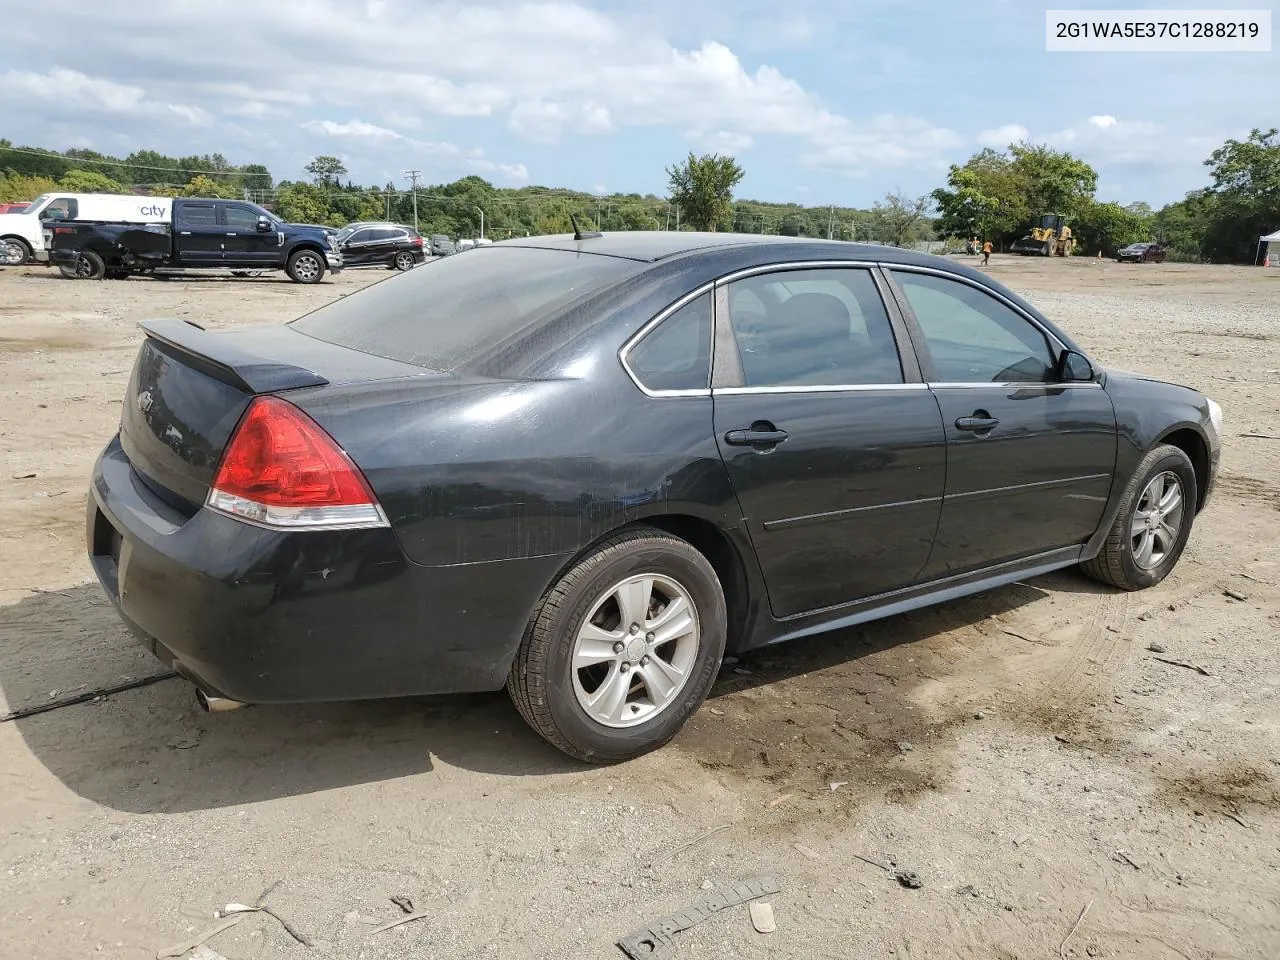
(262, 616)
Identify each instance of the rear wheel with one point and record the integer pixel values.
(623, 649)
(1153, 523)
(88, 266)
(305, 266)
(14, 252)
(403, 261)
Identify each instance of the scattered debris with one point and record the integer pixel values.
(695, 841)
(1257, 436)
(762, 917)
(776, 801)
(1062, 947)
(1145, 615)
(1022, 841)
(1156, 647)
(24, 476)
(404, 903)
(1182, 663)
(806, 851)
(182, 949)
(260, 906)
(401, 922)
(1120, 855)
(86, 697)
(654, 942)
(1236, 817)
(184, 743)
(968, 890)
(1061, 739)
(742, 671)
(980, 715)
(203, 952)
(708, 885)
(907, 878)
(904, 746)
(1023, 636)
(837, 784)
(1235, 595)
(716, 713)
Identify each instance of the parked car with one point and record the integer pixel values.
(381, 245)
(191, 233)
(441, 245)
(1141, 253)
(588, 469)
(22, 235)
(13, 207)
(465, 244)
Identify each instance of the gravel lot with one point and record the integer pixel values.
(1022, 751)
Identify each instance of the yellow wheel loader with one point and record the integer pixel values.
(1052, 238)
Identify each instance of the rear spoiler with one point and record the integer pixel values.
(215, 356)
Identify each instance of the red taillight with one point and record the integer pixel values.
(281, 469)
(417, 241)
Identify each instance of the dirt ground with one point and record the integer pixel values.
(1023, 751)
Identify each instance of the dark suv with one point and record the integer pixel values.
(381, 245)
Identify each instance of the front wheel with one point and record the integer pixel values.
(13, 252)
(305, 266)
(1153, 523)
(623, 649)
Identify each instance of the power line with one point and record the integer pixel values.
(413, 177)
(51, 155)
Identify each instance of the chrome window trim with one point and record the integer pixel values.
(1013, 384)
(821, 388)
(662, 315)
(794, 265)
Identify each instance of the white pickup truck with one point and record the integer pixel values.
(22, 239)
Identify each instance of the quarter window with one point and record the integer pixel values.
(676, 354)
(64, 208)
(823, 327)
(973, 337)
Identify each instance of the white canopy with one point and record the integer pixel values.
(1271, 238)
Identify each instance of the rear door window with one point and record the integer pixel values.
(198, 215)
(458, 309)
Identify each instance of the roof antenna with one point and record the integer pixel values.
(577, 231)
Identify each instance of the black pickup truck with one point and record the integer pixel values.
(197, 234)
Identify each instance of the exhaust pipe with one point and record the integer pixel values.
(215, 704)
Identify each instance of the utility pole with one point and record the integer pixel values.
(413, 178)
(831, 222)
(481, 212)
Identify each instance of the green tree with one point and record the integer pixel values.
(1107, 227)
(202, 186)
(1244, 198)
(1056, 182)
(303, 203)
(634, 216)
(90, 181)
(18, 187)
(901, 220)
(988, 198)
(702, 187)
(326, 171)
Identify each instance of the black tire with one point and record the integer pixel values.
(1116, 563)
(14, 252)
(88, 266)
(305, 266)
(403, 261)
(541, 682)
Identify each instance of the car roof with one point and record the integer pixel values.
(650, 246)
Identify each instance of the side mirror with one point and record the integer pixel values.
(1074, 368)
(264, 225)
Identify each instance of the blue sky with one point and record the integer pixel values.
(821, 102)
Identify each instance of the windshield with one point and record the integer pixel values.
(35, 204)
(453, 312)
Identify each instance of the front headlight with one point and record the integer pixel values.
(1215, 417)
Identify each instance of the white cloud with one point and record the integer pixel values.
(1000, 137)
(1103, 121)
(352, 128)
(253, 109)
(721, 141)
(61, 86)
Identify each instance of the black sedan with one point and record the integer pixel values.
(586, 469)
(1141, 253)
(381, 245)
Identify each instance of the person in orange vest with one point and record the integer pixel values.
(986, 253)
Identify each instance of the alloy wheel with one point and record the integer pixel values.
(635, 650)
(1157, 520)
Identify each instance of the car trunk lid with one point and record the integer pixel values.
(190, 387)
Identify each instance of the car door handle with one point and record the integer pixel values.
(758, 435)
(980, 422)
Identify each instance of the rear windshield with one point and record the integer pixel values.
(444, 314)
